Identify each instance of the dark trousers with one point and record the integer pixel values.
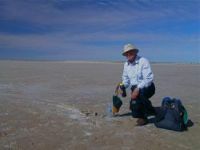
(142, 107)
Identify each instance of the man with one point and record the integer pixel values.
(138, 75)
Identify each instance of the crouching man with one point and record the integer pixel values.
(138, 75)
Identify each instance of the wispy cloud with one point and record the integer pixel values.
(92, 13)
(61, 41)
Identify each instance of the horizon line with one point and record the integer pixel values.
(95, 61)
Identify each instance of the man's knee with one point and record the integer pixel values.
(147, 92)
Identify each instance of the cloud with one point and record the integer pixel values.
(63, 41)
(72, 26)
(91, 13)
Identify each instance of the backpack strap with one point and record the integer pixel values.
(166, 101)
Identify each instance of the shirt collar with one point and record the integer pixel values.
(136, 61)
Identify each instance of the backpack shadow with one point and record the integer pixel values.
(190, 123)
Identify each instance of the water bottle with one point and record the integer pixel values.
(109, 110)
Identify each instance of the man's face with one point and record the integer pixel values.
(130, 55)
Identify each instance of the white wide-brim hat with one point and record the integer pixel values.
(129, 47)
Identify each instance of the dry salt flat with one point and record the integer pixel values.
(62, 105)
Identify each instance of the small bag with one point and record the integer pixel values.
(173, 115)
(117, 103)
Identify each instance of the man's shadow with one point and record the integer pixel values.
(124, 115)
(153, 119)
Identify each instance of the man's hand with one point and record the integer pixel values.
(135, 94)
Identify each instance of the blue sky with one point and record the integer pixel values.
(163, 30)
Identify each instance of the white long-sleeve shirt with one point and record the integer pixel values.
(138, 73)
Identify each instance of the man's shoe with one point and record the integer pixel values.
(141, 122)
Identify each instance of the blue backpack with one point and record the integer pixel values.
(172, 116)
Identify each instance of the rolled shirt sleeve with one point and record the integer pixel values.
(147, 75)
